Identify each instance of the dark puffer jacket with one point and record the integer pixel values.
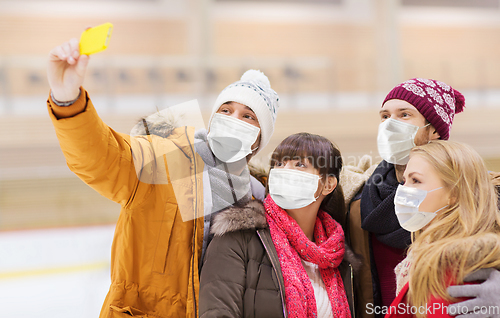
(241, 274)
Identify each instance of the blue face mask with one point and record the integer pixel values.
(406, 204)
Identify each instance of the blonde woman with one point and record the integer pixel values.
(450, 204)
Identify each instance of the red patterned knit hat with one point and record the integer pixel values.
(435, 100)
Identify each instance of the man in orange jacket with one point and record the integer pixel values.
(169, 182)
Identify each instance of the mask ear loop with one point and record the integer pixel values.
(435, 190)
(316, 198)
(440, 209)
(424, 126)
(260, 139)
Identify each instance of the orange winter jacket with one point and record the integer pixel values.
(159, 233)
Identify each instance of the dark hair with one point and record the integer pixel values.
(324, 156)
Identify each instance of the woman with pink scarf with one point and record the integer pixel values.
(282, 258)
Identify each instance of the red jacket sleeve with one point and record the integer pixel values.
(435, 308)
(438, 308)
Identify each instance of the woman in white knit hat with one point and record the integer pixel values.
(166, 181)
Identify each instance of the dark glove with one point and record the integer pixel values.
(485, 302)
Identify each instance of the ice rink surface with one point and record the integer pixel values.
(55, 272)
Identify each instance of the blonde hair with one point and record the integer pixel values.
(463, 237)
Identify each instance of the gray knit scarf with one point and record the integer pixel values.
(230, 182)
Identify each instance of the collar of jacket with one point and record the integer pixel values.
(157, 124)
(250, 216)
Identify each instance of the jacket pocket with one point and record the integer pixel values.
(126, 312)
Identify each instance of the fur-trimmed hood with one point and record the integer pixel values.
(251, 216)
(161, 124)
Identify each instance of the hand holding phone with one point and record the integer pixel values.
(95, 39)
(68, 62)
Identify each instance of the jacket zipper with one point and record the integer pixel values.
(275, 272)
(194, 220)
(351, 276)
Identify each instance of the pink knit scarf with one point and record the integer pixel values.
(327, 252)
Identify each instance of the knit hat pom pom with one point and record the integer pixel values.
(459, 101)
(256, 76)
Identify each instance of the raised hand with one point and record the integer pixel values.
(66, 70)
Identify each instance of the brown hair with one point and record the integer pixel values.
(324, 156)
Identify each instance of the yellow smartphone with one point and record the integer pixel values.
(95, 39)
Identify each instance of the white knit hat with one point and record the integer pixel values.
(253, 90)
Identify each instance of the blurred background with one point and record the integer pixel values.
(331, 61)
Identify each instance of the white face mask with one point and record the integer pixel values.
(395, 140)
(231, 139)
(407, 202)
(292, 189)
